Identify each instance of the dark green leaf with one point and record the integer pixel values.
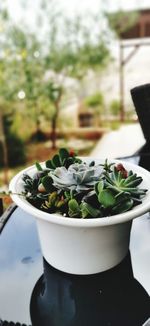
(47, 183)
(63, 153)
(67, 195)
(73, 205)
(74, 208)
(68, 162)
(135, 182)
(87, 209)
(100, 186)
(92, 163)
(123, 206)
(77, 160)
(49, 164)
(38, 166)
(56, 161)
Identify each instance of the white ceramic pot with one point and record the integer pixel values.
(83, 246)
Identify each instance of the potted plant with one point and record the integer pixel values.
(84, 209)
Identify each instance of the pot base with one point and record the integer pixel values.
(84, 251)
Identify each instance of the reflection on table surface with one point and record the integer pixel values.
(111, 298)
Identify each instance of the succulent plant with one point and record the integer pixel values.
(54, 202)
(118, 191)
(83, 210)
(74, 208)
(122, 181)
(30, 185)
(81, 190)
(63, 158)
(79, 177)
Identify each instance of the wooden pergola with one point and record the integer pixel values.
(132, 38)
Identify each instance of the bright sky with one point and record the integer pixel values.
(69, 8)
(72, 6)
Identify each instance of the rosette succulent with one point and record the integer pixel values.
(118, 191)
(79, 177)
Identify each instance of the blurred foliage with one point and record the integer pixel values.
(33, 71)
(115, 107)
(95, 100)
(72, 47)
(115, 111)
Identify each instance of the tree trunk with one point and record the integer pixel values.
(53, 131)
(54, 122)
(4, 149)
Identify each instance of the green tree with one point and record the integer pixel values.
(7, 92)
(30, 69)
(76, 50)
(70, 50)
(54, 93)
(95, 100)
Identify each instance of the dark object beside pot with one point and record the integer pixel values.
(141, 99)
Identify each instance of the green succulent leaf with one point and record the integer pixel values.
(74, 208)
(77, 160)
(69, 161)
(38, 166)
(107, 166)
(63, 158)
(106, 198)
(122, 207)
(49, 164)
(56, 161)
(53, 197)
(67, 194)
(60, 203)
(133, 183)
(121, 196)
(92, 163)
(63, 154)
(89, 211)
(100, 186)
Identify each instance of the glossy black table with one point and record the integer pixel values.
(118, 297)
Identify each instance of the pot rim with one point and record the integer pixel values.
(57, 218)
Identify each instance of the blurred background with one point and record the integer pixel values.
(66, 70)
